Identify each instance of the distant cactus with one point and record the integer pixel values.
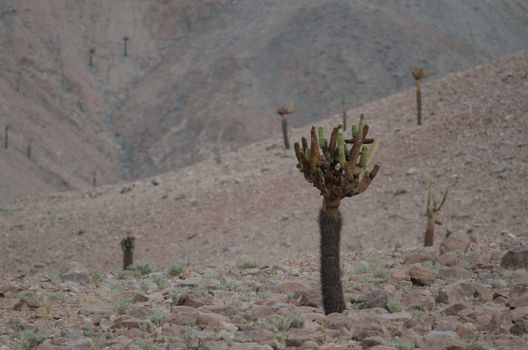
(433, 207)
(418, 74)
(127, 245)
(334, 170)
(29, 148)
(90, 57)
(6, 136)
(344, 111)
(94, 178)
(125, 46)
(284, 112)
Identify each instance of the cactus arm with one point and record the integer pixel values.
(314, 146)
(361, 125)
(341, 149)
(354, 130)
(372, 150)
(444, 197)
(364, 156)
(322, 138)
(333, 141)
(430, 206)
(304, 143)
(365, 181)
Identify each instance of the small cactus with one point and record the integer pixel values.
(284, 112)
(127, 245)
(433, 207)
(418, 74)
(125, 46)
(6, 137)
(319, 165)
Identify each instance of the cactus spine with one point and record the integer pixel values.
(335, 183)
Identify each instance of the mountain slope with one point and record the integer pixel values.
(254, 202)
(204, 76)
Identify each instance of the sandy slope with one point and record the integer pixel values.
(253, 202)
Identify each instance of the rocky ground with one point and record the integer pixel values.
(466, 294)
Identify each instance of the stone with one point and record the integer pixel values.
(373, 341)
(297, 337)
(516, 258)
(375, 298)
(194, 299)
(76, 272)
(368, 325)
(463, 291)
(443, 340)
(95, 309)
(422, 276)
(455, 274)
(455, 242)
(519, 328)
(451, 258)
(419, 299)
(452, 310)
(183, 315)
(306, 295)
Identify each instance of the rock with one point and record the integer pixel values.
(455, 242)
(400, 273)
(128, 322)
(419, 255)
(183, 315)
(516, 258)
(443, 340)
(298, 337)
(307, 296)
(519, 328)
(411, 171)
(373, 341)
(76, 272)
(463, 291)
(451, 258)
(250, 346)
(418, 298)
(367, 325)
(215, 322)
(422, 276)
(455, 274)
(194, 298)
(452, 309)
(27, 304)
(95, 309)
(376, 298)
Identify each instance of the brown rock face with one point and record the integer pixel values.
(515, 259)
(422, 276)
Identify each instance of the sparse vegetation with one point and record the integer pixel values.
(140, 268)
(122, 305)
(157, 317)
(393, 305)
(337, 172)
(29, 339)
(176, 269)
(247, 263)
(403, 346)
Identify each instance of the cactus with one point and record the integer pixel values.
(29, 148)
(354, 130)
(432, 208)
(90, 57)
(341, 149)
(125, 46)
(6, 137)
(322, 138)
(127, 245)
(284, 112)
(343, 107)
(418, 74)
(334, 183)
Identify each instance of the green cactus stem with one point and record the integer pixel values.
(363, 157)
(341, 149)
(354, 130)
(372, 150)
(361, 126)
(322, 138)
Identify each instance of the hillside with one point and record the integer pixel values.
(201, 77)
(254, 202)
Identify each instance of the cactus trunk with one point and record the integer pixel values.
(418, 102)
(128, 258)
(429, 231)
(330, 221)
(285, 131)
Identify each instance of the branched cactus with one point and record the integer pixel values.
(127, 245)
(418, 74)
(284, 112)
(337, 171)
(433, 207)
